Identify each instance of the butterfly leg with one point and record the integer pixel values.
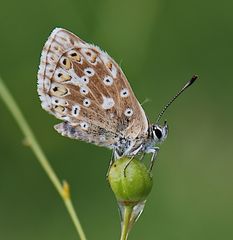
(113, 157)
(132, 156)
(142, 156)
(127, 164)
(154, 152)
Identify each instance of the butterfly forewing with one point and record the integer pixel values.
(82, 85)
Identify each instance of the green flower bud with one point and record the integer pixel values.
(130, 184)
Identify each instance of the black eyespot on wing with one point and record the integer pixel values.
(64, 61)
(158, 133)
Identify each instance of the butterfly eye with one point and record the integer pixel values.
(158, 133)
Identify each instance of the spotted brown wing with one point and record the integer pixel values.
(83, 86)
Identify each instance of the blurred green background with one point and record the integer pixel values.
(159, 44)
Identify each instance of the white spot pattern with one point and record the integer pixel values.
(86, 102)
(102, 138)
(79, 81)
(84, 90)
(75, 110)
(84, 125)
(107, 103)
(89, 71)
(85, 79)
(108, 80)
(58, 101)
(128, 112)
(124, 92)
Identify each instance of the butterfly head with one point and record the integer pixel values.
(159, 132)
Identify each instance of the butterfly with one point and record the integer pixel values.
(84, 87)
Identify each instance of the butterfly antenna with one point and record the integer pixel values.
(189, 83)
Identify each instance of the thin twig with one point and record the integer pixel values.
(63, 190)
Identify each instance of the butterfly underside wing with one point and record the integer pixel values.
(83, 86)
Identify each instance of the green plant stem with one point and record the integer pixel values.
(125, 224)
(23, 125)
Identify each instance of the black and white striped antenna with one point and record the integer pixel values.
(189, 83)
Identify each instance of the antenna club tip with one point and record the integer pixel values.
(189, 83)
(193, 79)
